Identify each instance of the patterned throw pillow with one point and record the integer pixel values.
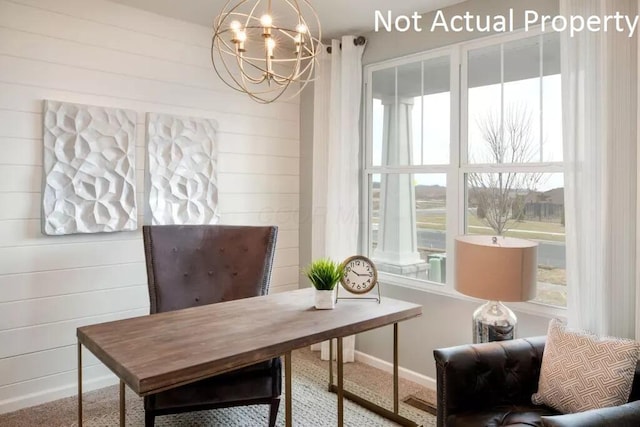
(581, 371)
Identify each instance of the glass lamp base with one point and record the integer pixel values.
(493, 321)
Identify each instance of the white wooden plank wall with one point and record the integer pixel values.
(101, 53)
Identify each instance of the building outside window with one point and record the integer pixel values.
(465, 140)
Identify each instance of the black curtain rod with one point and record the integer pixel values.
(358, 41)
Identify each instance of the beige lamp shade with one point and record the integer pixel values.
(496, 268)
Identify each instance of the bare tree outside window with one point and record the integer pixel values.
(499, 197)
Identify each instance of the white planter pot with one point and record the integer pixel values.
(325, 300)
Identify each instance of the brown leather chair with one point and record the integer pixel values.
(491, 384)
(193, 265)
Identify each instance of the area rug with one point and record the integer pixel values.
(313, 406)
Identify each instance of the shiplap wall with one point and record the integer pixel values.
(101, 53)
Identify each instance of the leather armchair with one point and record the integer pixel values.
(491, 385)
(193, 265)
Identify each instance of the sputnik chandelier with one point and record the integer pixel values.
(262, 47)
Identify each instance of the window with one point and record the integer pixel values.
(411, 122)
(466, 140)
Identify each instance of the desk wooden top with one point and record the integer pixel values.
(161, 351)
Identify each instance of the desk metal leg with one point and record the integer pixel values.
(79, 384)
(122, 407)
(330, 363)
(288, 390)
(383, 412)
(396, 404)
(340, 385)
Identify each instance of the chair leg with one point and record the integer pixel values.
(273, 411)
(149, 419)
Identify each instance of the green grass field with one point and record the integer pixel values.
(534, 230)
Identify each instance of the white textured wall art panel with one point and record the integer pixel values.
(182, 181)
(89, 169)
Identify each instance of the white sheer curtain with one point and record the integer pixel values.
(337, 103)
(599, 83)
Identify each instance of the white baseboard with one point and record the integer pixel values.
(404, 373)
(45, 396)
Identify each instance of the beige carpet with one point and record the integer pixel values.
(312, 405)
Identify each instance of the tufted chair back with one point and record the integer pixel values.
(192, 265)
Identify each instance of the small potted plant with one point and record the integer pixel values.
(324, 274)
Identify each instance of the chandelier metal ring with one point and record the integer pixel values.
(262, 50)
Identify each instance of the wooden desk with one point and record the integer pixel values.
(162, 351)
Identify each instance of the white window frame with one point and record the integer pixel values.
(456, 169)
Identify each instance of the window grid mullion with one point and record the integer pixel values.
(396, 116)
(541, 138)
(454, 203)
(514, 167)
(502, 93)
(421, 113)
(367, 161)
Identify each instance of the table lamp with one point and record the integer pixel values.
(495, 269)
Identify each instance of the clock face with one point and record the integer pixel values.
(360, 274)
